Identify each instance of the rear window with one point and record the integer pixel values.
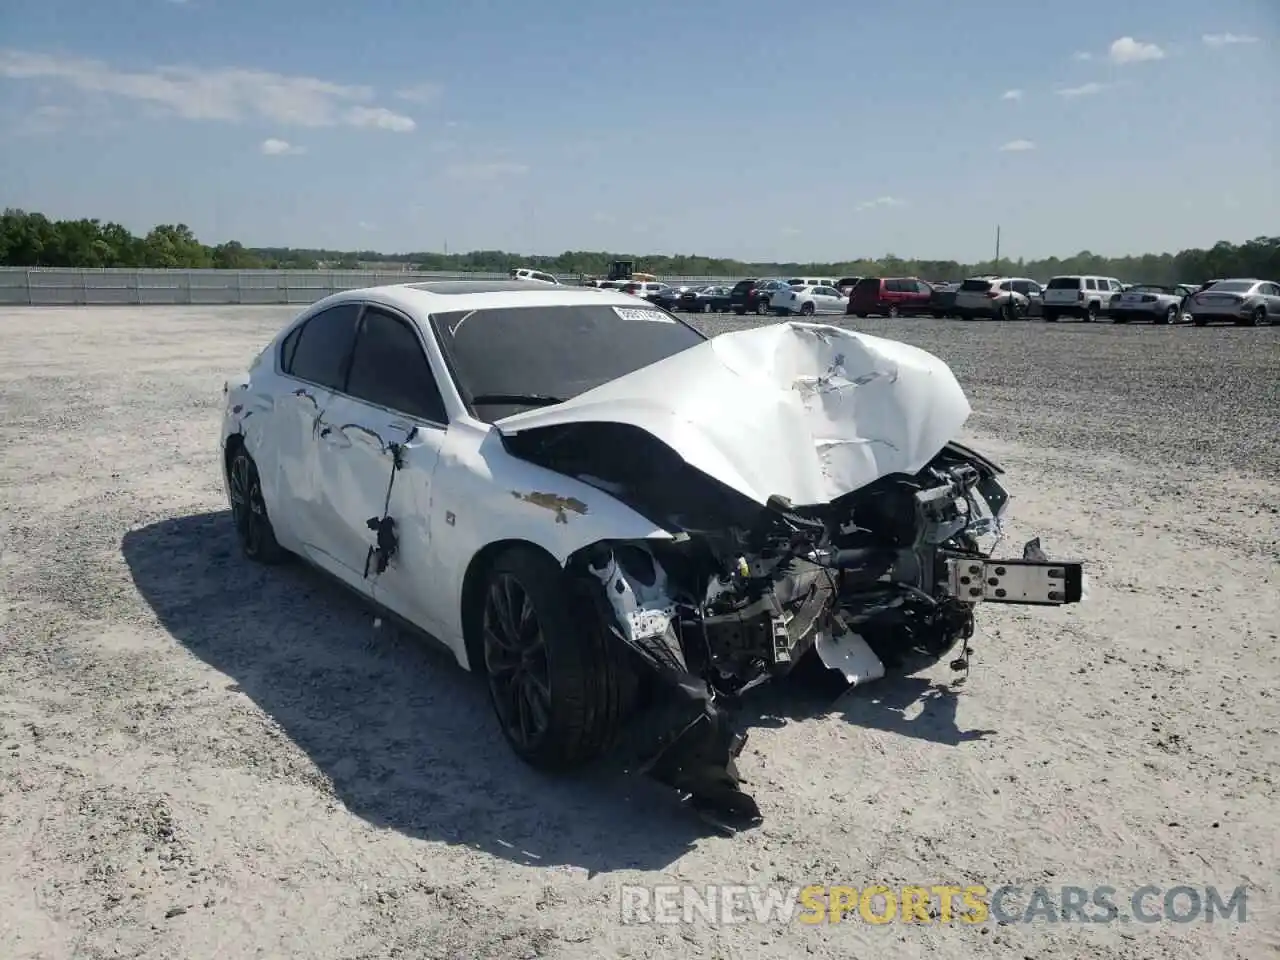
(1232, 286)
(976, 286)
(868, 285)
(743, 286)
(1064, 283)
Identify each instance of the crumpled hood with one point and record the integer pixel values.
(804, 410)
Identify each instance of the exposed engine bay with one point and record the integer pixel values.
(883, 579)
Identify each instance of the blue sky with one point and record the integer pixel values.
(745, 129)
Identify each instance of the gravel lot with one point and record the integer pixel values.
(200, 758)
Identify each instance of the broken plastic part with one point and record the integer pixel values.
(850, 654)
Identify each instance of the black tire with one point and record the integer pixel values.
(861, 316)
(894, 312)
(806, 310)
(1091, 313)
(578, 672)
(762, 308)
(1169, 316)
(1259, 318)
(253, 527)
(1051, 316)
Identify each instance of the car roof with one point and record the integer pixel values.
(422, 299)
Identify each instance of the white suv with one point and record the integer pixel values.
(1080, 296)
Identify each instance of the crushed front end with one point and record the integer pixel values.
(884, 579)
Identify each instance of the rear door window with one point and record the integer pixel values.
(976, 286)
(390, 369)
(1064, 283)
(324, 346)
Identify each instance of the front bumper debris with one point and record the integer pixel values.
(1048, 583)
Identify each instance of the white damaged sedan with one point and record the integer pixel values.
(622, 524)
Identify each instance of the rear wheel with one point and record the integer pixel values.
(1169, 316)
(894, 312)
(249, 511)
(1259, 318)
(806, 310)
(761, 308)
(559, 684)
(1091, 313)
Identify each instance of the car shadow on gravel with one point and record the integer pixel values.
(888, 704)
(404, 735)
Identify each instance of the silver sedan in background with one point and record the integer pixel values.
(1246, 303)
(1159, 303)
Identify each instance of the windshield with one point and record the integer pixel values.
(553, 353)
(1232, 286)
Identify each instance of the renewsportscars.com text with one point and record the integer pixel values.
(935, 903)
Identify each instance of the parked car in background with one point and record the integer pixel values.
(649, 290)
(1157, 302)
(1246, 303)
(528, 273)
(890, 297)
(669, 297)
(1007, 298)
(846, 284)
(714, 299)
(752, 296)
(808, 300)
(1075, 295)
(811, 282)
(942, 302)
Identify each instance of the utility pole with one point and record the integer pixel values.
(997, 266)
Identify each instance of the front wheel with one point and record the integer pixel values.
(557, 681)
(761, 308)
(1169, 316)
(894, 313)
(806, 310)
(249, 511)
(1259, 318)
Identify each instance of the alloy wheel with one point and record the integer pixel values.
(515, 658)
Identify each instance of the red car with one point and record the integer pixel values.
(890, 297)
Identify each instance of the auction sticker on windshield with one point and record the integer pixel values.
(648, 315)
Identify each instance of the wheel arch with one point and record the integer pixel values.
(472, 592)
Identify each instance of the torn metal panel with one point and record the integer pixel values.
(850, 655)
(805, 411)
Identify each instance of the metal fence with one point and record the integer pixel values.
(58, 286)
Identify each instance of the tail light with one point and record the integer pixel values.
(1079, 294)
(992, 294)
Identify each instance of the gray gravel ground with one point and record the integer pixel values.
(201, 758)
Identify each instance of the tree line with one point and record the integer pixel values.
(34, 240)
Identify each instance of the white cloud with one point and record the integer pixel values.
(274, 147)
(1227, 39)
(1082, 56)
(1084, 90)
(421, 93)
(1129, 50)
(379, 117)
(1017, 146)
(228, 94)
(1011, 95)
(880, 202)
(486, 171)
